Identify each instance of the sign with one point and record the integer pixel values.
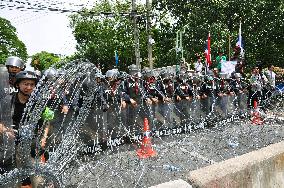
(228, 66)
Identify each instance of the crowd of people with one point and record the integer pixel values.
(136, 87)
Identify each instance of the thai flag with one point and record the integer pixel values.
(207, 52)
(116, 57)
(240, 41)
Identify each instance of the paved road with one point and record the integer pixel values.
(177, 155)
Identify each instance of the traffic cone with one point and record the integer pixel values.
(256, 119)
(146, 150)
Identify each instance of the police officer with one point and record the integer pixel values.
(150, 85)
(239, 87)
(133, 91)
(183, 95)
(14, 65)
(209, 91)
(133, 95)
(165, 87)
(25, 82)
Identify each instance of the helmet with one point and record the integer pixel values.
(16, 62)
(61, 72)
(149, 74)
(38, 73)
(133, 69)
(113, 73)
(51, 73)
(99, 75)
(25, 75)
(182, 76)
(165, 75)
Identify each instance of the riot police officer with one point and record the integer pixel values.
(14, 65)
(25, 82)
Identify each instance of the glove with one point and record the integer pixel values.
(48, 114)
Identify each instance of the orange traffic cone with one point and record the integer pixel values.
(146, 150)
(256, 119)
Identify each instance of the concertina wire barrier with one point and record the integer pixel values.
(116, 127)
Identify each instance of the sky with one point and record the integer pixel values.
(41, 29)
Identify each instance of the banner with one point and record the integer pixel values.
(228, 66)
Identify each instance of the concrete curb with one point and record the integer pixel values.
(260, 168)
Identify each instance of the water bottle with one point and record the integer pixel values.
(170, 168)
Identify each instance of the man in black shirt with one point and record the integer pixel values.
(25, 83)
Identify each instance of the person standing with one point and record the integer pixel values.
(219, 59)
(7, 136)
(257, 82)
(271, 76)
(25, 82)
(198, 65)
(14, 65)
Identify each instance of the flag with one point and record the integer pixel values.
(207, 52)
(240, 41)
(116, 57)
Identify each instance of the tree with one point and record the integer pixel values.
(106, 28)
(10, 44)
(262, 26)
(43, 60)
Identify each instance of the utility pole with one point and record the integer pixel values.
(136, 34)
(150, 40)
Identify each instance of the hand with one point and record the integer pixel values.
(148, 101)
(188, 98)
(133, 102)
(178, 98)
(167, 99)
(155, 100)
(10, 132)
(65, 109)
(123, 104)
(43, 142)
(204, 96)
(2, 128)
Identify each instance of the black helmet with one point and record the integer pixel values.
(25, 75)
(16, 62)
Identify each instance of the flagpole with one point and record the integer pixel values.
(229, 56)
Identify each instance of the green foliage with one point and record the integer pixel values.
(262, 26)
(43, 60)
(10, 44)
(99, 35)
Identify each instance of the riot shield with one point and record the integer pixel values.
(6, 140)
(5, 98)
